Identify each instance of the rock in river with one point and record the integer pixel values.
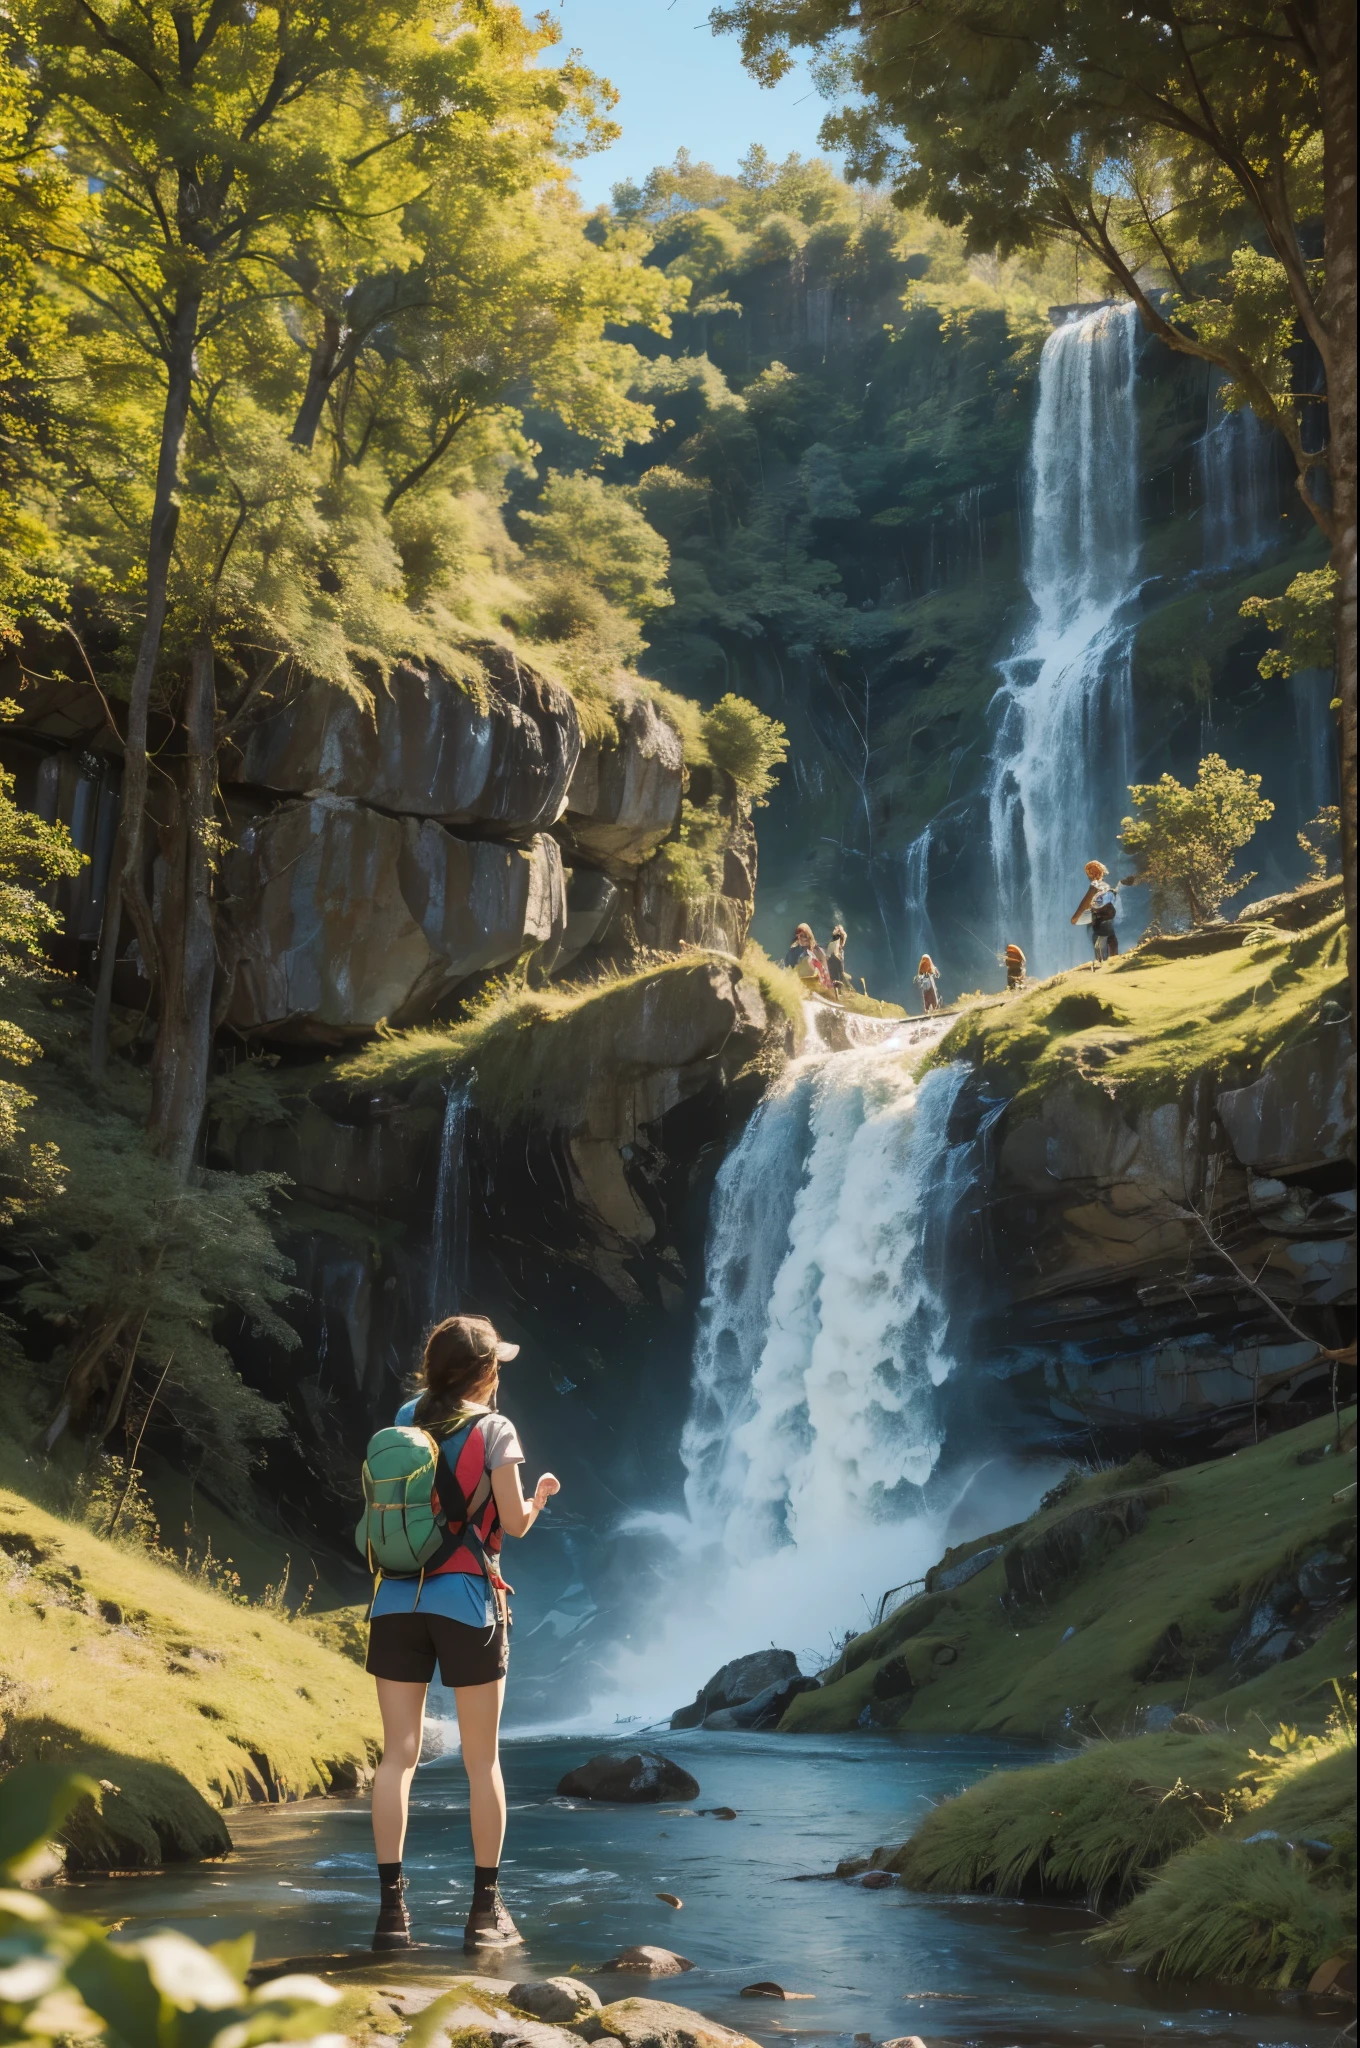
(639, 1778)
(647, 1961)
(737, 1683)
(555, 1998)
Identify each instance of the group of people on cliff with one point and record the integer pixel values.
(1099, 908)
(822, 968)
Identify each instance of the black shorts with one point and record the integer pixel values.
(406, 1647)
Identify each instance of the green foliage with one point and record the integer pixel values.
(30, 852)
(593, 530)
(746, 744)
(1304, 620)
(1321, 841)
(1189, 159)
(1242, 1913)
(62, 1975)
(130, 1249)
(692, 862)
(1091, 1828)
(1185, 841)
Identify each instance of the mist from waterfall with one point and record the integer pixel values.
(1064, 712)
(815, 1433)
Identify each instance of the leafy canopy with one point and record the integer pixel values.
(1185, 841)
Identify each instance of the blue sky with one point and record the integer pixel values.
(680, 86)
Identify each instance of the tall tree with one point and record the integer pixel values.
(244, 171)
(1206, 146)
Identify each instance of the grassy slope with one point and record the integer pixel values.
(1225, 1530)
(530, 1047)
(179, 1698)
(1157, 1019)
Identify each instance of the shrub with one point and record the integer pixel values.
(1186, 840)
(747, 744)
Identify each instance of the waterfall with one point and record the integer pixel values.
(449, 1231)
(920, 931)
(1064, 713)
(815, 1430)
(1236, 462)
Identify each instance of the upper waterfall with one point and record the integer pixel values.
(1064, 712)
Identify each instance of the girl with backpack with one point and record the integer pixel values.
(440, 1486)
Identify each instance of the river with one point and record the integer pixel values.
(582, 1880)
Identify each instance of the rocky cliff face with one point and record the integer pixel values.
(1166, 1242)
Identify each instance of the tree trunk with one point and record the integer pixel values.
(183, 1056)
(322, 372)
(125, 890)
(1337, 95)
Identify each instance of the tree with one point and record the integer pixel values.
(1185, 841)
(317, 244)
(31, 851)
(1195, 145)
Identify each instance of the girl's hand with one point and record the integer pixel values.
(544, 1491)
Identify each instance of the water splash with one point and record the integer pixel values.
(1064, 712)
(449, 1230)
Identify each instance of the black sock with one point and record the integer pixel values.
(389, 1875)
(484, 1876)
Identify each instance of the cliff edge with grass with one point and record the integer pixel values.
(160, 1680)
(1164, 1208)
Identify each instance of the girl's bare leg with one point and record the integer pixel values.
(402, 1706)
(479, 1723)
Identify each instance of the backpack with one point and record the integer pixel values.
(404, 1526)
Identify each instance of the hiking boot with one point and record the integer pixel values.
(490, 1926)
(394, 1922)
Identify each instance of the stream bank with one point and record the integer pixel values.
(581, 1882)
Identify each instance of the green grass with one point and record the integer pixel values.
(536, 1052)
(179, 1699)
(1151, 1020)
(1089, 1828)
(1215, 1534)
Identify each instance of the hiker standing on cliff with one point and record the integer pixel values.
(928, 981)
(808, 961)
(1100, 907)
(835, 958)
(1015, 966)
(440, 1486)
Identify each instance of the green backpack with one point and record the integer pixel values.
(400, 1530)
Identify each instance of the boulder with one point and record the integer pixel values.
(1300, 1112)
(766, 1709)
(342, 917)
(650, 2023)
(624, 799)
(737, 1682)
(496, 747)
(555, 1998)
(647, 1961)
(636, 1779)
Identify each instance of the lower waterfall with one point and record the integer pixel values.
(814, 1438)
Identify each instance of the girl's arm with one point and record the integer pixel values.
(517, 1514)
